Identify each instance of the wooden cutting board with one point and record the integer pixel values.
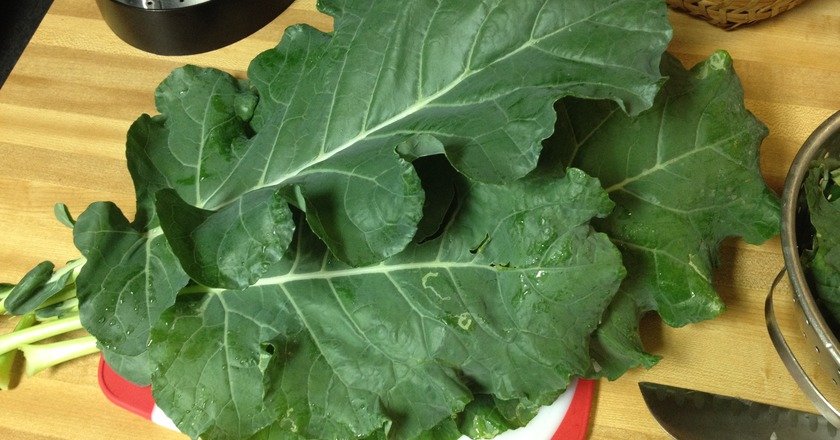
(66, 107)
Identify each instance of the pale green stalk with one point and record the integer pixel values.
(37, 333)
(39, 357)
(65, 294)
(7, 360)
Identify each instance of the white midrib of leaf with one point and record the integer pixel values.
(369, 270)
(653, 251)
(205, 134)
(387, 269)
(150, 236)
(659, 166)
(409, 111)
(226, 347)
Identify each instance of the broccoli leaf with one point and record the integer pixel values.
(323, 129)
(122, 292)
(684, 175)
(62, 214)
(516, 282)
(131, 275)
(37, 286)
(255, 237)
(481, 419)
(202, 125)
(135, 369)
(332, 108)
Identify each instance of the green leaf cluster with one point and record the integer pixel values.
(822, 259)
(684, 175)
(420, 225)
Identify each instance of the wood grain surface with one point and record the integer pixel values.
(65, 109)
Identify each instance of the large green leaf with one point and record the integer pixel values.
(203, 123)
(476, 78)
(203, 127)
(502, 302)
(131, 275)
(684, 175)
(255, 236)
(124, 291)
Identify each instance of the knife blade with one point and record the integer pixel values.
(696, 415)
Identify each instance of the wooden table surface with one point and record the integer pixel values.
(66, 107)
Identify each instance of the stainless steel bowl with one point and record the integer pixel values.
(181, 27)
(796, 234)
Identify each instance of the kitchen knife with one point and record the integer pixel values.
(695, 415)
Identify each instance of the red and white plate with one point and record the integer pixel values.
(566, 419)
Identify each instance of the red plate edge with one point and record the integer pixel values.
(123, 393)
(138, 400)
(575, 424)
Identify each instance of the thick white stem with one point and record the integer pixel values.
(7, 360)
(37, 333)
(39, 357)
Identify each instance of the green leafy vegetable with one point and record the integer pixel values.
(428, 279)
(39, 285)
(823, 260)
(48, 307)
(62, 214)
(478, 85)
(482, 419)
(460, 307)
(129, 279)
(324, 135)
(684, 176)
(252, 238)
(136, 369)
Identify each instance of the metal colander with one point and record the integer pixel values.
(797, 234)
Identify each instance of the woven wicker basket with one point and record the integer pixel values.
(730, 14)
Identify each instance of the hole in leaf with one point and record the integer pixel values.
(268, 348)
(480, 246)
(440, 185)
